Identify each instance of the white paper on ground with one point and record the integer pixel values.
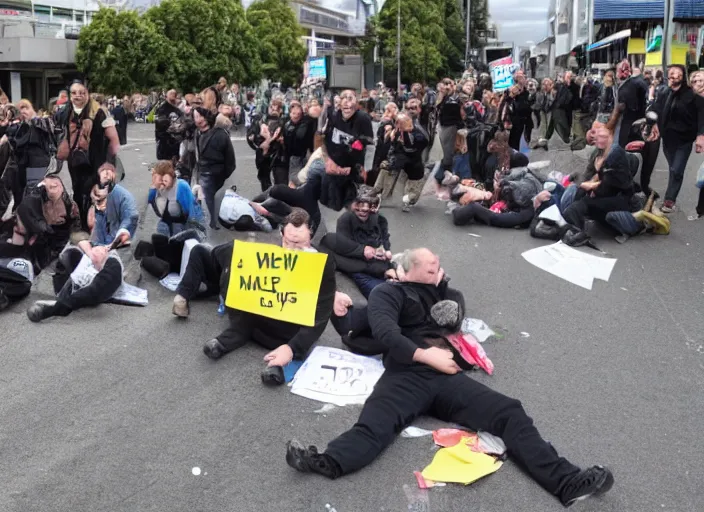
(478, 328)
(553, 214)
(188, 246)
(171, 281)
(415, 432)
(570, 264)
(129, 294)
(337, 377)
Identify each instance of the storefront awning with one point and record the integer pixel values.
(610, 39)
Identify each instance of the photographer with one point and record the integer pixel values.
(167, 147)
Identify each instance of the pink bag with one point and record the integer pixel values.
(471, 351)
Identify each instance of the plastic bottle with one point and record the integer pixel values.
(221, 307)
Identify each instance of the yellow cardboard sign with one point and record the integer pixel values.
(274, 282)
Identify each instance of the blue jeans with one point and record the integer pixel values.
(366, 283)
(677, 157)
(210, 188)
(567, 197)
(623, 222)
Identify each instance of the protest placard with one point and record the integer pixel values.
(501, 73)
(274, 282)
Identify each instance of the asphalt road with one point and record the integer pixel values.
(110, 408)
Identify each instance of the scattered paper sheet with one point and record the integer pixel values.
(553, 213)
(570, 264)
(477, 328)
(171, 281)
(130, 295)
(412, 432)
(337, 377)
(459, 464)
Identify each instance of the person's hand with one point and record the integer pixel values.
(655, 134)
(279, 357)
(441, 276)
(98, 255)
(157, 182)
(342, 303)
(437, 358)
(700, 144)
(334, 169)
(121, 239)
(465, 199)
(259, 209)
(369, 253)
(3, 140)
(635, 146)
(388, 255)
(589, 185)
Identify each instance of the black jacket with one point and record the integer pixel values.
(268, 331)
(401, 318)
(299, 137)
(216, 156)
(374, 232)
(634, 94)
(345, 140)
(680, 115)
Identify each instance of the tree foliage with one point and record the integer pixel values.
(432, 37)
(122, 52)
(281, 49)
(209, 38)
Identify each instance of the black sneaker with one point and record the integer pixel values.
(595, 481)
(41, 310)
(273, 376)
(4, 301)
(213, 349)
(299, 457)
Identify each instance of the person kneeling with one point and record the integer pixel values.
(423, 376)
(285, 340)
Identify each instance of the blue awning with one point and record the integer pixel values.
(609, 40)
(645, 9)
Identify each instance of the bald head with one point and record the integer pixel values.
(421, 266)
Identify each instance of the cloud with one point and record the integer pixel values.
(518, 22)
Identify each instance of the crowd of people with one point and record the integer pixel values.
(347, 153)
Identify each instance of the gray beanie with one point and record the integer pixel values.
(446, 313)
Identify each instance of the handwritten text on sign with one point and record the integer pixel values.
(274, 282)
(502, 73)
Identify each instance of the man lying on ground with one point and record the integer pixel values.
(285, 340)
(423, 376)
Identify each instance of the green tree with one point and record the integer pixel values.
(281, 49)
(209, 39)
(121, 53)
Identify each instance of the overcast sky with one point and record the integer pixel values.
(520, 21)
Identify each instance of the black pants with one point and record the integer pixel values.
(82, 179)
(475, 212)
(401, 396)
(356, 333)
(650, 155)
(101, 289)
(303, 197)
(594, 208)
(202, 268)
(519, 126)
(267, 332)
(562, 123)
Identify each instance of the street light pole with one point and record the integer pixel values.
(667, 35)
(468, 15)
(398, 47)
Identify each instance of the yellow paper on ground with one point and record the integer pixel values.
(459, 464)
(274, 282)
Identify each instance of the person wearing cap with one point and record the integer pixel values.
(361, 244)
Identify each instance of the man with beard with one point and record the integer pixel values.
(361, 245)
(285, 340)
(167, 148)
(680, 123)
(633, 93)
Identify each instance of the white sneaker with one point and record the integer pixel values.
(406, 204)
(695, 216)
(180, 308)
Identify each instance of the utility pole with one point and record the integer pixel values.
(590, 24)
(398, 48)
(468, 16)
(667, 35)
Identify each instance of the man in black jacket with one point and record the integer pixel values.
(287, 341)
(166, 146)
(680, 123)
(361, 245)
(423, 376)
(409, 140)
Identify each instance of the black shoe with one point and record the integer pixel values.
(273, 376)
(595, 481)
(299, 457)
(4, 301)
(213, 349)
(214, 227)
(41, 310)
